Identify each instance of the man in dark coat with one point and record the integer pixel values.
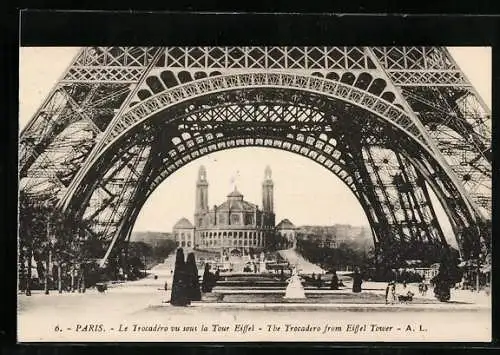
(194, 293)
(179, 295)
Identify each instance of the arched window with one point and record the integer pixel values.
(169, 78)
(235, 219)
(377, 86)
(200, 75)
(363, 81)
(332, 76)
(143, 94)
(154, 84)
(348, 78)
(184, 76)
(388, 96)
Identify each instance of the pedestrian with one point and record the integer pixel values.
(206, 283)
(319, 282)
(356, 281)
(335, 281)
(390, 292)
(179, 285)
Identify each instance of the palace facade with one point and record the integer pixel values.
(234, 226)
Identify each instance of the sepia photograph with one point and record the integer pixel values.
(254, 194)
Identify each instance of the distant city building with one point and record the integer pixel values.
(321, 236)
(184, 233)
(152, 238)
(427, 273)
(287, 230)
(232, 227)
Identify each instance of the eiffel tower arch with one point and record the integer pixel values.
(392, 123)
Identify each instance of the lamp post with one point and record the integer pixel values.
(49, 256)
(50, 244)
(478, 271)
(59, 276)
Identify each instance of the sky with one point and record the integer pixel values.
(305, 192)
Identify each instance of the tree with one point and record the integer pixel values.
(179, 295)
(138, 254)
(276, 241)
(163, 249)
(449, 274)
(41, 231)
(193, 284)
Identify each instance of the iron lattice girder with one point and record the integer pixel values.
(212, 143)
(402, 196)
(191, 90)
(405, 64)
(456, 119)
(199, 141)
(103, 82)
(192, 112)
(110, 65)
(89, 104)
(105, 214)
(336, 90)
(74, 126)
(395, 190)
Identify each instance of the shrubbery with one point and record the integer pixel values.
(449, 274)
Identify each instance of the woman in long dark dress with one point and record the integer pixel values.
(194, 293)
(335, 281)
(356, 281)
(179, 295)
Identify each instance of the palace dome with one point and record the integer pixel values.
(285, 224)
(183, 223)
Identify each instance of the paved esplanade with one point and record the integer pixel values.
(142, 303)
